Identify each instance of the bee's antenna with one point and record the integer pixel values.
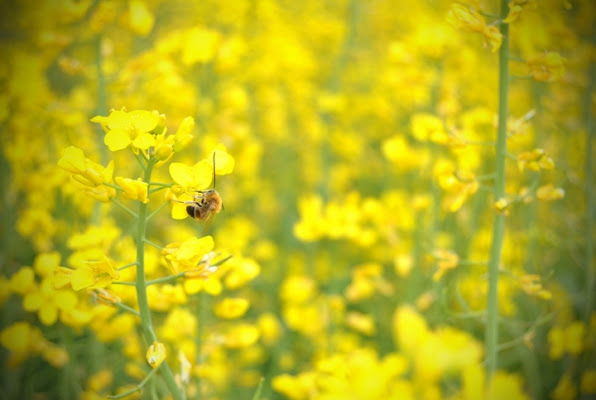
(213, 169)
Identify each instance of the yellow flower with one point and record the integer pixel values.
(179, 324)
(270, 328)
(241, 335)
(47, 301)
(535, 160)
(494, 37)
(298, 289)
(427, 127)
(532, 286)
(156, 353)
(224, 162)
(188, 255)
(241, 271)
(502, 206)
(446, 260)
(23, 281)
(465, 18)
(565, 389)
(200, 45)
(85, 171)
(549, 193)
(133, 128)
(133, 189)
(230, 308)
(514, 13)
(362, 323)
(459, 184)
(94, 274)
(140, 18)
(566, 340)
(184, 134)
(546, 67)
(469, 19)
(24, 340)
(503, 385)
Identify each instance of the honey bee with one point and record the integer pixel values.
(205, 204)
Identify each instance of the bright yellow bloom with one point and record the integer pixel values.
(565, 389)
(446, 260)
(546, 67)
(469, 19)
(24, 340)
(549, 193)
(535, 160)
(200, 45)
(568, 339)
(494, 37)
(428, 127)
(140, 18)
(224, 162)
(179, 324)
(465, 18)
(184, 134)
(94, 274)
(459, 184)
(197, 177)
(133, 189)
(241, 271)
(298, 387)
(100, 380)
(241, 335)
(514, 13)
(231, 308)
(532, 286)
(189, 255)
(48, 301)
(502, 205)
(85, 171)
(503, 385)
(156, 353)
(270, 328)
(133, 128)
(297, 289)
(23, 281)
(362, 323)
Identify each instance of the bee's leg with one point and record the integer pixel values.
(189, 202)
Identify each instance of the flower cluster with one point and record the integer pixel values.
(373, 213)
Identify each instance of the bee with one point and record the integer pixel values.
(205, 204)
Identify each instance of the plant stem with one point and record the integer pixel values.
(492, 326)
(590, 128)
(141, 287)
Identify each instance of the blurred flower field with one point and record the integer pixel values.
(404, 203)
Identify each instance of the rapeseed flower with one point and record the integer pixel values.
(156, 354)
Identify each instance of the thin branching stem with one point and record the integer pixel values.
(123, 207)
(158, 209)
(492, 308)
(136, 388)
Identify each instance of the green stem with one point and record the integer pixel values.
(123, 207)
(590, 128)
(141, 287)
(136, 388)
(492, 308)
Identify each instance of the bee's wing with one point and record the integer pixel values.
(207, 223)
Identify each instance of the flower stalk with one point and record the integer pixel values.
(141, 287)
(492, 326)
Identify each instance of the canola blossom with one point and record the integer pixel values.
(388, 200)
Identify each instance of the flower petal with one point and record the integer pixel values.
(117, 139)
